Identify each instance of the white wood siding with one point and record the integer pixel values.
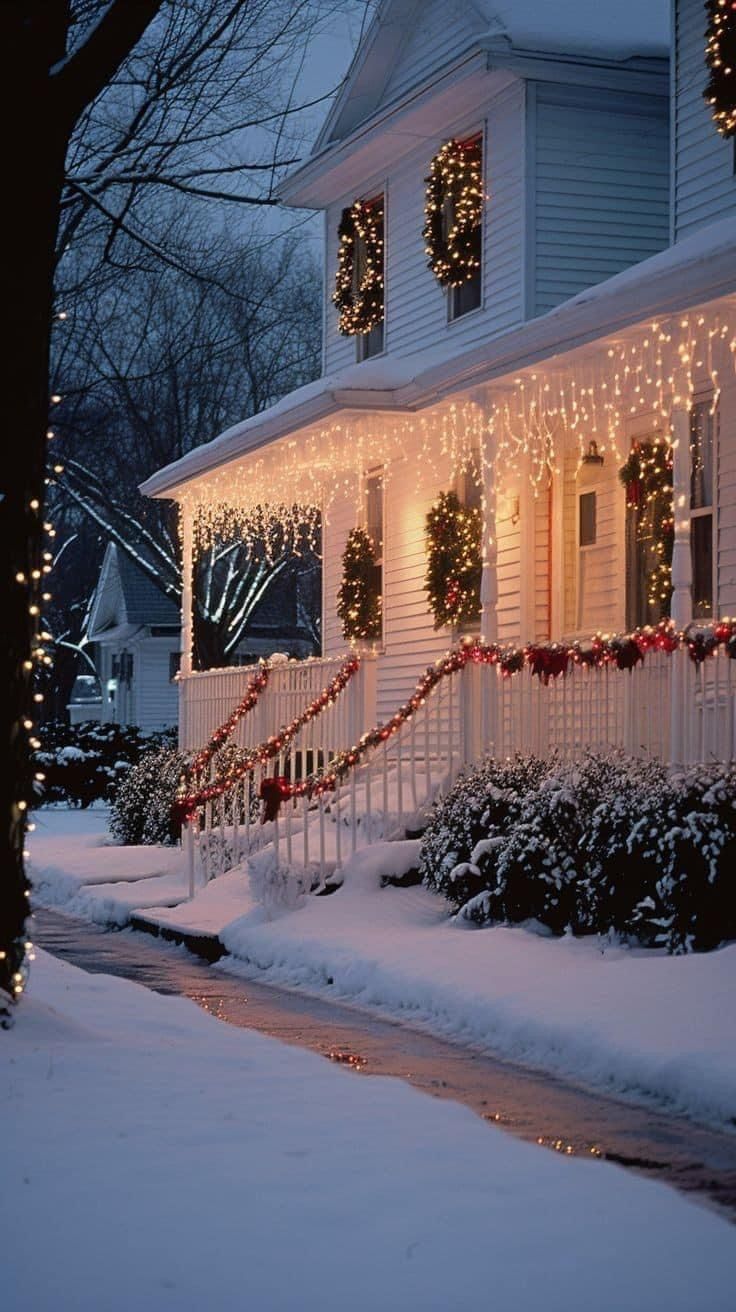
(156, 697)
(416, 306)
(440, 32)
(342, 516)
(704, 184)
(599, 166)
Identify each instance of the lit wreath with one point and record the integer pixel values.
(358, 292)
(453, 209)
(720, 56)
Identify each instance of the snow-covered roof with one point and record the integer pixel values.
(699, 269)
(623, 29)
(126, 599)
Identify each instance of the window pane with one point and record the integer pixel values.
(587, 519)
(466, 297)
(701, 455)
(701, 549)
(370, 343)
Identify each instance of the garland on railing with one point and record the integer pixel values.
(186, 805)
(256, 686)
(546, 660)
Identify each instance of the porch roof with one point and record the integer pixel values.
(699, 269)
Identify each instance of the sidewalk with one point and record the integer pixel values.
(628, 1021)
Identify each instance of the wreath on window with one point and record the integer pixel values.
(358, 292)
(452, 581)
(452, 212)
(720, 56)
(359, 597)
(647, 477)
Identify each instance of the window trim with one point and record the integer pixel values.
(371, 472)
(705, 398)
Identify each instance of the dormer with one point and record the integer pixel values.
(704, 185)
(568, 112)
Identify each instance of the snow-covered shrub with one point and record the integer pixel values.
(620, 845)
(607, 843)
(84, 763)
(143, 809)
(480, 806)
(692, 905)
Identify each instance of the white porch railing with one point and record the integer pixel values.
(206, 698)
(667, 707)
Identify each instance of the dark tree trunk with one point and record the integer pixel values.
(31, 39)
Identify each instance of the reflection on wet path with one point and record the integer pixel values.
(532, 1106)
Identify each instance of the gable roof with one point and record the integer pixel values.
(408, 38)
(125, 595)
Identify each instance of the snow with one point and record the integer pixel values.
(632, 1022)
(76, 865)
(164, 1161)
(629, 28)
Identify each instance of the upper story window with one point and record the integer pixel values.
(702, 484)
(359, 280)
(453, 230)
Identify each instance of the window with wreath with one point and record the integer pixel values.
(702, 487)
(359, 279)
(453, 228)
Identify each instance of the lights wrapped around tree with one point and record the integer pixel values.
(453, 211)
(720, 56)
(454, 565)
(358, 292)
(647, 477)
(359, 599)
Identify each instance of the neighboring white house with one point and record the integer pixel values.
(602, 315)
(136, 631)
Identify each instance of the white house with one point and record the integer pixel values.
(580, 183)
(136, 629)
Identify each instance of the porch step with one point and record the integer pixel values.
(201, 944)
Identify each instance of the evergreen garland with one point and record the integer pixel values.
(720, 56)
(358, 292)
(453, 208)
(359, 598)
(647, 477)
(452, 580)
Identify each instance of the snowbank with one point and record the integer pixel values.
(163, 1161)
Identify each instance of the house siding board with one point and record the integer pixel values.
(600, 191)
(155, 695)
(416, 306)
(439, 33)
(704, 184)
(343, 515)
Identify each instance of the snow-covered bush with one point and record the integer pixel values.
(692, 905)
(604, 844)
(84, 763)
(477, 810)
(143, 808)
(142, 811)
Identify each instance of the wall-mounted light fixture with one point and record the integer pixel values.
(592, 455)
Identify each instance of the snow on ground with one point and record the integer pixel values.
(76, 866)
(628, 1021)
(164, 1161)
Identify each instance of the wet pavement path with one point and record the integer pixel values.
(533, 1106)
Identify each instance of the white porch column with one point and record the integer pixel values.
(185, 664)
(682, 570)
(489, 576)
(681, 605)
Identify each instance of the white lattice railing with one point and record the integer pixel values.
(206, 698)
(667, 707)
